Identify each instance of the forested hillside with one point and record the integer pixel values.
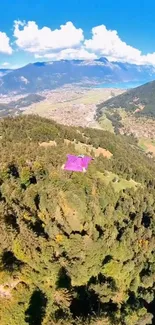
(140, 100)
(74, 248)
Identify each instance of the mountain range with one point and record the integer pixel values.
(40, 76)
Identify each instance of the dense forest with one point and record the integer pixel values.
(75, 248)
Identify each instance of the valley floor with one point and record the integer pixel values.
(72, 106)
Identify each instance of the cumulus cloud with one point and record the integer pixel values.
(5, 44)
(32, 39)
(107, 43)
(68, 42)
(69, 54)
(149, 58)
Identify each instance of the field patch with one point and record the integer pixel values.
(117, 182)
(147, 145)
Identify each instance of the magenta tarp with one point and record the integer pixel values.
(77, 164)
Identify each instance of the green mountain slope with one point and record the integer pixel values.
(140, 99)
(75, 248)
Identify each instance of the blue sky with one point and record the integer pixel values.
(64, 29)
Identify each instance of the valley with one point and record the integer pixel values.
(82, 106)
(127, 112)
(68, 105)
(72, 105)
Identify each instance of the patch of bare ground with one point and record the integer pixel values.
(151, 148)
(104, 152)
(48, 144)
(5, 289)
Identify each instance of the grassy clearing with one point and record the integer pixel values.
(84, 149)
(142, 144)
(147, 145)
(123, 114)
(120, 184)
(91, 97)
(40, 108)
(106, 124)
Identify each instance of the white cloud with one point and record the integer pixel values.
(149, 58)
(108, 43)
(68, 42)
(5, 44)
(23, 79)
(32, 39)
(69, 54)
(5, 64)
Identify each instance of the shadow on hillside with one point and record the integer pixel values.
(9, 262)
(35, 313)
(87, 304)
(11, 221)
(64, 280)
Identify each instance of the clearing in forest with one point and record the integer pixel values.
(117, 182)
(147, 145)
(48, 144)
(83, 148)
(106, 124)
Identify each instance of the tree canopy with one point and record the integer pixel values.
(73, 249)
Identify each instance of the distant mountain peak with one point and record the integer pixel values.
(102, 59)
